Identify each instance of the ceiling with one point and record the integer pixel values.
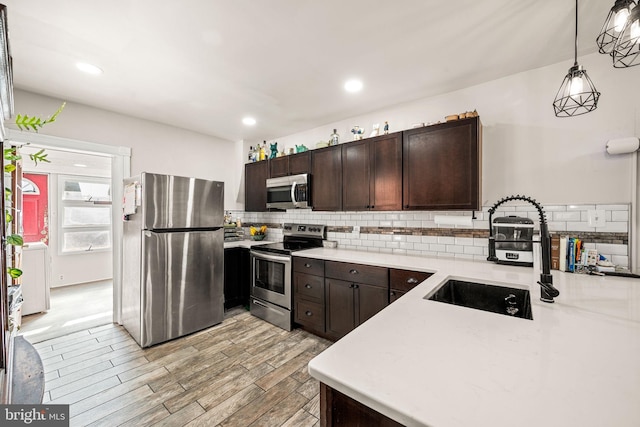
(203, 65)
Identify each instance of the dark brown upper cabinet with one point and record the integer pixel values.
(442, 166)
(372, 173)
(290, 165)
(326, 184)
(255, 186)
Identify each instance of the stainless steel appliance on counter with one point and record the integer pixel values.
(514, 240)
(271, 294)
(173, 256)
(289, 192)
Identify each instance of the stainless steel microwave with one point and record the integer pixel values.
(289, 192)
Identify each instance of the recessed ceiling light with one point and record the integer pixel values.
(249, 121)
(89, 68)
(79, 165)
(353, 85)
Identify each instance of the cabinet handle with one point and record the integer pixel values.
(308, 286)
(306, 264)
(355, 286)
(308, 313)
(412, 280)
(373, 206)
(392, 293)
(353, 271)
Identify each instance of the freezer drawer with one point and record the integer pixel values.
(182, 283)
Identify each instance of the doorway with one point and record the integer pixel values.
(75, 221)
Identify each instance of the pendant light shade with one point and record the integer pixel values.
(577, 94)
(626, 51)
(613, 25)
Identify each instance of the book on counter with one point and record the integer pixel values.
(571, 253)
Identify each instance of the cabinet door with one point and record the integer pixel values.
(255, 186)
(279, 167)
(300, 163)
(369, 301)
(385, 182)
(442, 166)
(326, 180)
(355, 175)
(339, 307)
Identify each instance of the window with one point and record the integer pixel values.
(85, 214)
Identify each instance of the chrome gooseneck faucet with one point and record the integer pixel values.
(547, 291)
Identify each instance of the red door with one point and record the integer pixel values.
(35, 205)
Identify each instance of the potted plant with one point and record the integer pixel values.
(258, 233)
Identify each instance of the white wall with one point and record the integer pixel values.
(526, 149)
(155, 147)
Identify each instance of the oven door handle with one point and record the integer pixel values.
(268, 257)
(293, 193)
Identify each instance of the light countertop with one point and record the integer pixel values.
(245, 243)
(427, 363)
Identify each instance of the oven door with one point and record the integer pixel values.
(271, 278)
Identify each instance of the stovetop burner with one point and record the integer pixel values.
(296, 238)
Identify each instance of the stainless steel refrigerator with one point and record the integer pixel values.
(173, 249)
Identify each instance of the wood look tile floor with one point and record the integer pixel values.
(243, 372)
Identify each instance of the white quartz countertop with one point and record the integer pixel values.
(245, 243)
(427, 363)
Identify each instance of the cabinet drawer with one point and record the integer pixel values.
(405, 280)
(310, 314)
(308, 265)
(371, 275)
(308, 286)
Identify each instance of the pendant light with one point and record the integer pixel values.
(613, 25)
(577, 94)
(626, 50)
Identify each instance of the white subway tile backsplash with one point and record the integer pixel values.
(619, 216)
(455, 249)
(612, 207)
(611, 249)
(567, 216)
(614, 227)
(620, 260)
(437, 248)
(561, 218)
(446, 240)
(462, 241)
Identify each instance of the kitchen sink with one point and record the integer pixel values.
(512, 302)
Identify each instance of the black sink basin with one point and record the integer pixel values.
(481, 296)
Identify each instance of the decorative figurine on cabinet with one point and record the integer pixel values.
(357, 132)
(375, 131)
(301, 148)
(274, 150)
(386, 127)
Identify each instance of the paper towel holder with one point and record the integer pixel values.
(622, 145)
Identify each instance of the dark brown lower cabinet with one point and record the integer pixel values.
(337, 409)
(350, 304)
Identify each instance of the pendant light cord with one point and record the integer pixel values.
(575, 51)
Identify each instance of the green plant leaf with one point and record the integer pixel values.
(9, 168)
(39, 157)
(24, 122)
(14, 272)
(15, 240)
(8, 217)
(11, 155)
(7, 193)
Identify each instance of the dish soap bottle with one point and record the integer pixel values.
(335, 138)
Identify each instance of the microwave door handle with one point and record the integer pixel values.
(293, 193)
